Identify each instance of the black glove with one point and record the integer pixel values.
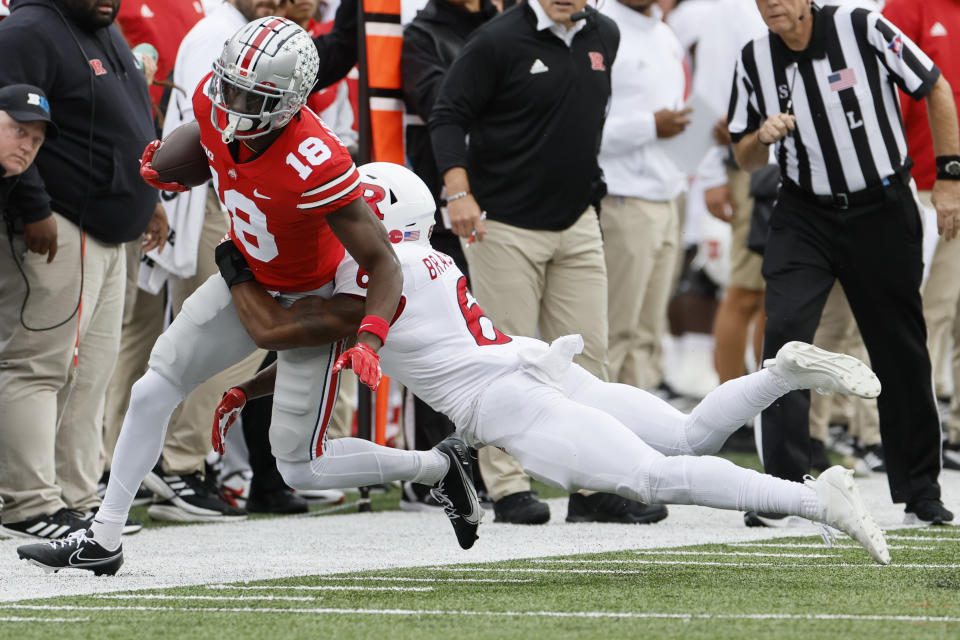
(233, 266)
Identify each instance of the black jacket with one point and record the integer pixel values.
(39, 48)
(534, 110)
(338, 49)
(23, 198)
(431, 42)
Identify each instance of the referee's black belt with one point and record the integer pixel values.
(871, 195)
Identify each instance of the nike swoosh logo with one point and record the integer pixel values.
(474, 516)
(257, 194)
(76, 559)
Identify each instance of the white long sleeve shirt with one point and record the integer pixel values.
(647, 76)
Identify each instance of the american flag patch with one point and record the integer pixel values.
(411, 235)
(843, 79)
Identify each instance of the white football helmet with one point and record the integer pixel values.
(400, 199)
(262, 79)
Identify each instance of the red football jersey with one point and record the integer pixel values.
(278, 201)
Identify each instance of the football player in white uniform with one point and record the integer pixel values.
(565, 426)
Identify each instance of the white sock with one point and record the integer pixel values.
(152, 400)
(433, 466)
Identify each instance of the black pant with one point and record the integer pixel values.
(875, 252)
(256, 433)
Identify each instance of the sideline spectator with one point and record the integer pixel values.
(640, 218)
(52, 406)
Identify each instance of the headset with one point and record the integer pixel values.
(86, 196)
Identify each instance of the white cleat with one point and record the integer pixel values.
(805, 366)
(843, 509)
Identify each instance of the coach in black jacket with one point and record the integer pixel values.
(531, 89)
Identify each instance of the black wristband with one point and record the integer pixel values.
(233, 266)
(948, 167)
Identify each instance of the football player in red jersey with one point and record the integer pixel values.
(292, 192)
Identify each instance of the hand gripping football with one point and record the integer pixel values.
(181, 158)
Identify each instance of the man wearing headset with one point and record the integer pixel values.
(61, 312)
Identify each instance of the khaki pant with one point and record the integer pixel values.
(941, 297)
(838, 332)
(188, 437)
(554, 282)
(51, 405)
(744, 263)
(641, 241)
(142, 323)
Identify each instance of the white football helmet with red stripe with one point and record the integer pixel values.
(400, 199)
(262, 79)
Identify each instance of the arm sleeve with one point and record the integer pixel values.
(743, 115)
(337, 186)
(338, 49)
(467, 88)
(626, 130)
(423, 71)
(29, 200)
(908, 66)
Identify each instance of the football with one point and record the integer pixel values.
(181, 158)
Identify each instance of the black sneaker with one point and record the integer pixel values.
(456, 493)
(927, 511)
(51, 527)
(187, 498)
(609, 507)
(76, 551)
(280, 501)
(951, 456)
(521, 508)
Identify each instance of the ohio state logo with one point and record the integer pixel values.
(596, 61)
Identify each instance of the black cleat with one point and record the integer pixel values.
(927, 511)
(456, 493)
(609, 507)
(76, 551)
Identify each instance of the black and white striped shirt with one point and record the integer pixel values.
(849, 133)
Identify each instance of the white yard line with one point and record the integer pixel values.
(323, 587)
(161, 596)
(265, 549)
(693, 563)
(23, 619)
(815, 545)
(510, 614)
(896, 536)
(399, 579)
(736, 553)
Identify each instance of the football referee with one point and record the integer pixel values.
(822, 88)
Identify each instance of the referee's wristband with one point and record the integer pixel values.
(948, 167)
(375, 325)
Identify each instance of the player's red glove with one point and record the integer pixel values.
(150, 175)
(225, 415)
(365, 363)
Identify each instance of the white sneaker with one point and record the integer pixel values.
(805, 366)
(843, 509)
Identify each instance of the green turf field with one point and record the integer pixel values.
(778, 589)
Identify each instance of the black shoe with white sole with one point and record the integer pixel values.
(76, 551)
(49, 527)
(456, 492)
(187, 498)
(609, 507)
